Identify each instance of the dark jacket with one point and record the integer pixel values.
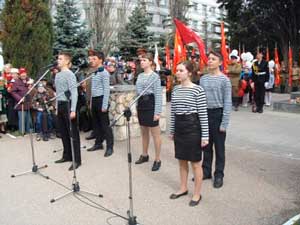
(19, 89)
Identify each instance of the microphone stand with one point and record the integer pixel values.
(75, 184)
(35, 168)
(127, 114)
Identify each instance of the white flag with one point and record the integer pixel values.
(156, 58)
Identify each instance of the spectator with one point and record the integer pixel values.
(18, 91)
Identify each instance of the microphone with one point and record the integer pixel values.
(50, 65)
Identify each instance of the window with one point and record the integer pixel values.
(163, 2)
(195, 24)
(150, 16)
(212, 10)
(195, 6)
(120, 13)
(204, 27)
(204, 8)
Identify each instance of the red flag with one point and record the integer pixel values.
(267, 54)
(277, 68)
(179, 51)
(223, 48)
(189, 36)
(201, 65)
(290, 66)
(168, 62)
(193, 52)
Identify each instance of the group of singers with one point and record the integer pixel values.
(199, 116)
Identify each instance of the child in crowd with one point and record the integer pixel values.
(43, 113)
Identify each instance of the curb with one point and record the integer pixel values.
(292, 220)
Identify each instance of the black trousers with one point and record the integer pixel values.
(216, 140)
(101, 123)
(259, 95)
(63, 120)
(236, 101)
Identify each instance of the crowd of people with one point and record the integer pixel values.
(201, 103)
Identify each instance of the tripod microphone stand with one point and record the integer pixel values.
(35, 168)
(75, 184)
(127, 114)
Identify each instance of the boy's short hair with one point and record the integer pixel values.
(66, 54)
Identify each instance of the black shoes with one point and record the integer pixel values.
(108, 152)
(175, 196)
(218, 182)
(193, 203)
(142, 159)
(95, 148)
(156, 165)
(45, 138)
(90, 137)
(62, 160)
(76, 166)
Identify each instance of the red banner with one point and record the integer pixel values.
(290, 66)
(223, 48)
(189, 36)
(179, 51)
(277, 68)
(268, 55)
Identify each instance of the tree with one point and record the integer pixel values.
(105, 18)
(70, 32)
(27, 34)
(178, 9)
(256, 22)
(135, 34)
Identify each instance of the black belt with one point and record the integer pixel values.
(214, 109)
(62, 102)
(97, 97)
(192, 116)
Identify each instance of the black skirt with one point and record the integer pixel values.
(187, 138)
(145, 109)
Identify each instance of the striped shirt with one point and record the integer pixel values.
(188, 100)
(218, 94)
(100, 87)
(66, 81)
(143, 81)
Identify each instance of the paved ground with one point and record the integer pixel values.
(262, 180)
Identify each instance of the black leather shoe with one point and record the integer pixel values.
(95, 148)
(218, 182)
(260, 111)
(62, 160)
(76, 166)
(108, 152)
(142, 159)
(175, 196)
(194, 203)
(156, 165)
(90, 137)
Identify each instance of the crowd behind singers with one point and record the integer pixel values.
(207, 106)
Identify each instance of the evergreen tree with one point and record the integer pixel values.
(135, 34)
(70, 32)
(27, 34)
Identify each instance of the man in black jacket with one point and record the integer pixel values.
(261, 75)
